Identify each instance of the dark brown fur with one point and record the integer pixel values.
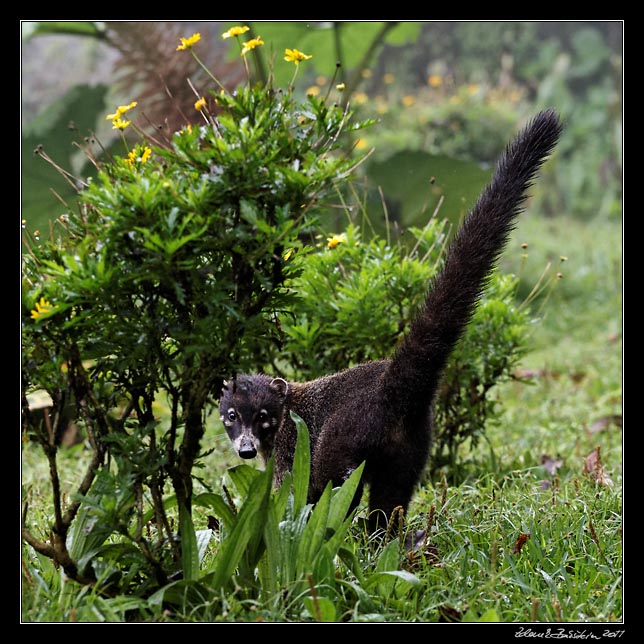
(381, 412)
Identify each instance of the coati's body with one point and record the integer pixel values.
(381, 412)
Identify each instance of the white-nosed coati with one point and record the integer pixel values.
(381, 412)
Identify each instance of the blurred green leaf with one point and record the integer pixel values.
(70, 28)
(413, 182)
(322, 609)
(80, 108)
(319, 40)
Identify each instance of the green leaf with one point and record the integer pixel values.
(242, 477)
(387, 579)
(352, 562)
(389, 558)
(203, 539)
(324, 568)
(81, 105)
(406, 178)
(87, 531)
(189, 546)
(301, 465)
(71, 28)
(387, 571)
(269, 564)
(490, 615)
(321, 608)
(314, 532)
(290, 539)
(249, 526)
(343, 497)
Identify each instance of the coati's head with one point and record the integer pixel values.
(251, 409)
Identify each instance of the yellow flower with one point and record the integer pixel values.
(42, 308)
(187, 43)
(408, 100)
(235, 31)
(332, 242)
(200, 104)
(295, 56)
(251, 44)
(120, 124)
(135, 155)
(340, 87)
(314, 90)
(388, 78)
(120, 110)
(435, 80)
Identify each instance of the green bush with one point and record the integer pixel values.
(169, 277)
(357, 299)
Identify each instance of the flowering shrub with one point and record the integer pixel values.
(169, 277)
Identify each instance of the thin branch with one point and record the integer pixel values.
(356, 76)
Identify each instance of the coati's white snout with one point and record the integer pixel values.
(245, 446)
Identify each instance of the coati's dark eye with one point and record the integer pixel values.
(262, 417)
(232, 415)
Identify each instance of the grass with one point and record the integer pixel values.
(530, 536)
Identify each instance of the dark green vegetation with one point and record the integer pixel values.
(202, 259)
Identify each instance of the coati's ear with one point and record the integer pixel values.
(228, 385)
(280, 385)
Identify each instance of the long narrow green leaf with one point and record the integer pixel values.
(189, 546)
(343, 498)
(250, 521)
(314, 532)
(335, 541)
(181, 593)
(352, 562)
(242, 477)
(301, 465)
(270, 564)
(290, 538)
(390, 577)
(281, 496)
(324, 569)
(88, 532)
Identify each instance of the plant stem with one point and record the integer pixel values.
(354, 80)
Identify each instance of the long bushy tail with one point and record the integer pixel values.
(417, 364)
